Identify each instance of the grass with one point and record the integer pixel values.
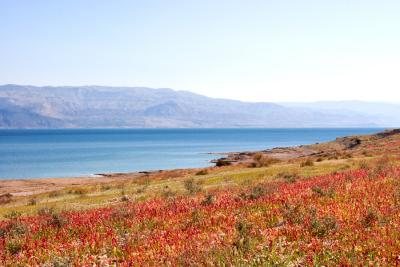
(84, 197)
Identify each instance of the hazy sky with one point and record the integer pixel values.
(247, 50)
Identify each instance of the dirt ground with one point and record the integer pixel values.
(24, 187)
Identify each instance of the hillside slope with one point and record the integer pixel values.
(340, 209)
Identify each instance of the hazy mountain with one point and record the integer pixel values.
(103, 107)
(15, 116)
(386, 114)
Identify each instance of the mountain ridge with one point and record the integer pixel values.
(93, 106)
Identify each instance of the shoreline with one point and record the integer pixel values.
(31, 186)
(25, 187)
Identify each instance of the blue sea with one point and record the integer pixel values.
(77, 152)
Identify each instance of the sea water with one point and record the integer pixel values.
(81, 152)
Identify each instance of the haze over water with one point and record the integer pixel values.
(66, 153)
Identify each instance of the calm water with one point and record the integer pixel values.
(63, 153)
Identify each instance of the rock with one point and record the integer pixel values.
(388, 133)
(349, 142)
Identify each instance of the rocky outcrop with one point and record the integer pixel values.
(388, 133)
(349, 142)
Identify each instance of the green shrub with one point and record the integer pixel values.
(32, 202)
(319, 191)
(16, 228)
(210, 199)
(122, 213)
(3, 233)
(322, 227)
(261, 160)
(307, 163)
(288, 177)
(364, 165)
(57, 220)
(61, 262)
(258, 191)
(366, 154)
(45, 211)
(192, 186)
(125, 198)
(243, 239)
(141, 189)
(168, 192)
(54, 194)
(105, 187)
(14, 246)
(293, 214)
(79, 191)
(195, 217)
(347, 156)
(13, 215)
(202, 172)
(370, 218)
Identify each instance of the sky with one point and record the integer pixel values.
(247, 50)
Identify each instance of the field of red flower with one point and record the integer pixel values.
(345, 218)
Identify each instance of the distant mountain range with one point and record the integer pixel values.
(138, 107)
(384, 114)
